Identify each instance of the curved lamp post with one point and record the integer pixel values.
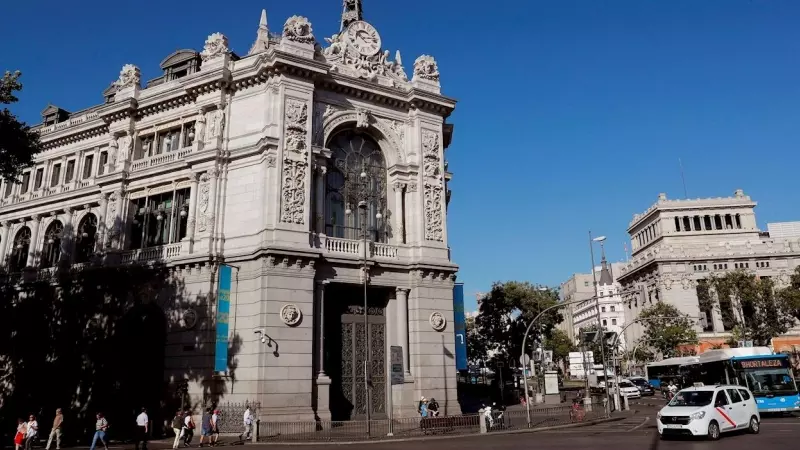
(525, 339)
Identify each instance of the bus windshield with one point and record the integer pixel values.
(768, 381)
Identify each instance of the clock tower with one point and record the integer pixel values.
(351, 12)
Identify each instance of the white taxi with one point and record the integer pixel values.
(709, 411)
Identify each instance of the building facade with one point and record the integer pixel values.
(317, 173)
(677, 243)
(583, 315)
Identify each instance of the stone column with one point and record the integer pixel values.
(37, 220)
(323, 381)
(193, 193)
(68, 236)
(4, 234)
(399, 212)
(402, 328)
(320, 204)
(102, 229)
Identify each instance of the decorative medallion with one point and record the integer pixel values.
(291, 315)
(438, 322)
(364, 38)
(189, 319)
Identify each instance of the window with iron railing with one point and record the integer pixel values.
(159, 219)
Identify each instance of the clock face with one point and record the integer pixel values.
(364, 38)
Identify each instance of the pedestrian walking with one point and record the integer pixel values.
(215, 428)
(22, 431)
(433, 408)
(248, 424)
(205, 427)
(32, 432)
(177, 428)
(55, 432)
(188, 429)
(142, 427)
(100, 429)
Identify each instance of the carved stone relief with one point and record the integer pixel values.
(112, 225)
(291, 315)
(357, 52)
(433, 184)
(203, 203)
(298, 29)
(216, 46)
(437, 321)
(295, 162)
(129, 76)
(425, 67)
(214, 124)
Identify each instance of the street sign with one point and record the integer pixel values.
(396, 357)
(525, 360)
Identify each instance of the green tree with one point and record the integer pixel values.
(667, 329)
(477, 349)
(790, 295)
(560, 344)
(504, 315)
(750, 306)
(18, 143)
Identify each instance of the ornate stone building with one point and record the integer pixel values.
(276, 163)
(678, 243)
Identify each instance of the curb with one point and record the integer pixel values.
(439, 438)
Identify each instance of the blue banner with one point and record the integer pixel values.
(460, 326)
(223, 310)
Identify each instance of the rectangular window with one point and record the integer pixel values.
(697, 225)
(586, 284)
(612, 308)
(9, 185)
(603, 309)
(718, 222)
(70, 174)
(38, 178)
(613, 321)
(88, 166)
(605, 322)
(103, 161)
(677, 224)
(168, 141)
(26, 180)
(707, 222)
(55, 177)
(188, 135)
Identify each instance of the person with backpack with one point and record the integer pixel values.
(101, 426)
(188, 429)
(177, 426)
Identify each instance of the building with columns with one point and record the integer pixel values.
(315, 168)
(677, 243)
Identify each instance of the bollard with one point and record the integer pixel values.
(625, 405)
(254, 435)
(482, 420)
(616, 401)
(587, 403)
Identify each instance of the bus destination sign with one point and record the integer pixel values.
(772, 363)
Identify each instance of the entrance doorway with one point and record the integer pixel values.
(346, 351)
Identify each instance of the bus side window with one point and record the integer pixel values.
(745, 394)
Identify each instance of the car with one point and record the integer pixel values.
(645, 388)
(626, 388)
(709, 411)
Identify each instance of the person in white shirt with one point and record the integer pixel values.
(142, 427)
(215, 427)
(248, 424)
(188, 429)
(33, 432)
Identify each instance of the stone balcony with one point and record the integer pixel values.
(47, 192)
(339, 246)
(158, 160)
(159, 253)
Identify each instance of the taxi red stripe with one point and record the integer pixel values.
(719, 410)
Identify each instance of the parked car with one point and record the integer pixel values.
(626, 388)
(709, 411)
(645, 388)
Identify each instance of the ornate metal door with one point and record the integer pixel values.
(354, 350)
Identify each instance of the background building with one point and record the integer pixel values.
(309, 171)
(675, 243)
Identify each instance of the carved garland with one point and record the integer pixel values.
(295, 162)
(203, 202)
(433, 183)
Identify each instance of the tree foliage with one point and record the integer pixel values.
(477, 350)
(505, 313)
(751, 307)
(667, 329)
(560, 344)
(18, 143)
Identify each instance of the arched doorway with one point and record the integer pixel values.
(51, 251)
(86, 238)
(22, 246)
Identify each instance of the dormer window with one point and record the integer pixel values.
(180, 64)
(53, 115)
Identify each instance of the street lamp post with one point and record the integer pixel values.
(364, 196)
(524, 341)
(599, 239)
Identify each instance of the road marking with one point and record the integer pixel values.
(646, 419)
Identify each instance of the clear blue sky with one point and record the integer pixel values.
(572, 114)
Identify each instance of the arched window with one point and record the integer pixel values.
(356, 184)
(51, 251)
(86, 238)
(22, 245)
